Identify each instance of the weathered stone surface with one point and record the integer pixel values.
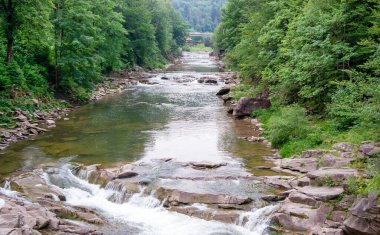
(322, 193)
(277, 182)
(176, 197)
(302, 165)
(245, 106)
(364, 218)
(338, 216)
(329, 231)
(313, 153)
(230, 216)
(335, 174)
(300, 217)
(300, 198)
(344, 147)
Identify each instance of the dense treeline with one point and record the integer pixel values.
(309, 56)
(68, 44)
(201, 15)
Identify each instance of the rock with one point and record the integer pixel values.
(365, 149)
(304, 181)
(126, 175)
(211, 81)
(364, 217)
(337, 175)
(329, 231)
(322, 193)
(300, 198)
(223, 91)
(206, 165)
(226, 98)
(300, 217)
(50, 122)
(338, 216)
(302, 165)
(344, 147)
(273, 198)
(176, 197)
(245, 106)
(277, 182)
(345, 203)
(313, 153)
(164, 78)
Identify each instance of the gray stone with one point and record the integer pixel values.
(335, 174)
(364, 218)
(322, 193)
(344, 147)
(300, 198)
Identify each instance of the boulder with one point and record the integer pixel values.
(245, 106)
(277, 182)
(364, 217)
(223, 91)
(273, 198)
(365, 149)
(321, 193)
(164, 78)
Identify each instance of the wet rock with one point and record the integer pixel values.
(329, 231)
(50, 122)
(177, 197)
(229, 216)
(223, 91)
(273, 198)
(126, 175)
(321, 193)
(226, 98)
(245, 106)
(211, 81)
(164, 78)
(254, 139)
(335, 174)
(364, 217)
(206, 165)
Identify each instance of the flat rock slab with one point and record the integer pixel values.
(303, 165)
(321, 193)
(177, 197)
(206, 165)
(335, 174)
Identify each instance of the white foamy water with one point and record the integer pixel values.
(146, 213)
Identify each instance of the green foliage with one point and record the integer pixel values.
(323, 56)
(288, 123)
(71, 44)
(200, 15)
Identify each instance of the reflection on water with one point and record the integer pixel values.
(182, 120)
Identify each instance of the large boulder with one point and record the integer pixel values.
(364, 218)
(224, 91)
(245, 106)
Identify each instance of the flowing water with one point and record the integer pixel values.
(177, 118)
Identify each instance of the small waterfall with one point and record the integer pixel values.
(145, 213)
(258, 220)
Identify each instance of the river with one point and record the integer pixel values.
(179, 121)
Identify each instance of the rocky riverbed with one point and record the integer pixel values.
(199, 171)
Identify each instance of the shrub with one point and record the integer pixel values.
(289, 123)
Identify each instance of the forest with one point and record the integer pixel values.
(67, 46)
(201, 15)
(317, 61)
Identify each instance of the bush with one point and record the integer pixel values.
(289, 123)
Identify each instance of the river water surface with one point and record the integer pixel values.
(179, 119)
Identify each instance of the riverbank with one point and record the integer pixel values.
(331, 191)
(29, 124)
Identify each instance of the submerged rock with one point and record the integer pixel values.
(206, 165)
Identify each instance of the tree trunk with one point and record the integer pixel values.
(9, 49)
(9, 32)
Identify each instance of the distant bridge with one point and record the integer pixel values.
(205, 35)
